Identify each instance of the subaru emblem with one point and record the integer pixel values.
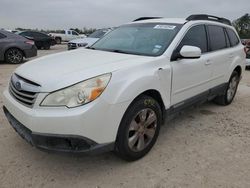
(18, 86)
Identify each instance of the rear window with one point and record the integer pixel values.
(217, 37)
(232, 37)
(2, 36)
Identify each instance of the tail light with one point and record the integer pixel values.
(30, 42)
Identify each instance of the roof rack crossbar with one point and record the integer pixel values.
(146, 18)
(209, 17)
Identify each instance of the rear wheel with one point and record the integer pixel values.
(230, 91)
(58, 40)
(14, 56)
(46, 46)
(139, 129)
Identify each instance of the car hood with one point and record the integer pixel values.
(87, 40)
(60, 70)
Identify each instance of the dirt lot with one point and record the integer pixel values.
(207, 146)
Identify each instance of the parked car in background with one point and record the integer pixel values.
(66, 35)
(246, 42)
(13, 48)
(88, 41)
(41, 40)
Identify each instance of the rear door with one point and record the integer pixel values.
(191, 77)
(219, 53)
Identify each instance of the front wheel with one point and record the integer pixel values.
(139, 129)
(230, 92)
(58, 40)
(14, 56)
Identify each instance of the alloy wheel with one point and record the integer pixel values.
(142, 130)
(232, 88)
(14, 56)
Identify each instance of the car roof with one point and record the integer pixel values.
(12, 35)
(195, 18)
(163, 20)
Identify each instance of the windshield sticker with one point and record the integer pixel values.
(170, 27)
(156, 49)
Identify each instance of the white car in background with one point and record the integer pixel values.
(66, 35)
(88, 41)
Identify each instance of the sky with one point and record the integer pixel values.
(65, 14)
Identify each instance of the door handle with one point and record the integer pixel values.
(231, 55)
(208, 62)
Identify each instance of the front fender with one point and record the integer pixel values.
(127, 85)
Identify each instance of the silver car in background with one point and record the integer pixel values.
(88, 41)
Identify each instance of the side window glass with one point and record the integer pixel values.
(227, 39)
(74, 33)
(217, 37)
(232, 37)
(2, 36)
(196, 36)
(69, 32)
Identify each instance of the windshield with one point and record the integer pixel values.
(98, 34)
(150, 39)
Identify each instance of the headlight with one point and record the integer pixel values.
(78, 94)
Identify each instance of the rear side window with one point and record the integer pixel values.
(232, 37)
(217, 38)
(2, 36)
(74, 33)
(196, 36)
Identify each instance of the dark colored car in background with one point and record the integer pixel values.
(13, 48)
(41, 40)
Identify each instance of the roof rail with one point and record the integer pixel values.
(146, 18)
(208, 17)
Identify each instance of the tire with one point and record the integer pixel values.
(140, 124)
(231, 89)
(58, 40)
(14, 56)
(46, 46)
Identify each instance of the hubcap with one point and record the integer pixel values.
(142, 130)
(15, 56)
(232, 88)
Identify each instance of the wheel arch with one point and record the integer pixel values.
(238, 69)
(156, 95)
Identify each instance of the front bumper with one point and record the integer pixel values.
(72, 46)
(30, 52)
(97, 121)
(57, 143)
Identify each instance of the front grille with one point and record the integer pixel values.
(22, 95)
(72, 46)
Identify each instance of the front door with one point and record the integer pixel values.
(191, 77)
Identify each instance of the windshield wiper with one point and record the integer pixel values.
(89, 47)
(119, 51)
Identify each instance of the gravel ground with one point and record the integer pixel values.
(206, 146)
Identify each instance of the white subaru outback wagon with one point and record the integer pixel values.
(115, 94)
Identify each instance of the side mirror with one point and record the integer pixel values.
(186, 52)
(190, 52)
